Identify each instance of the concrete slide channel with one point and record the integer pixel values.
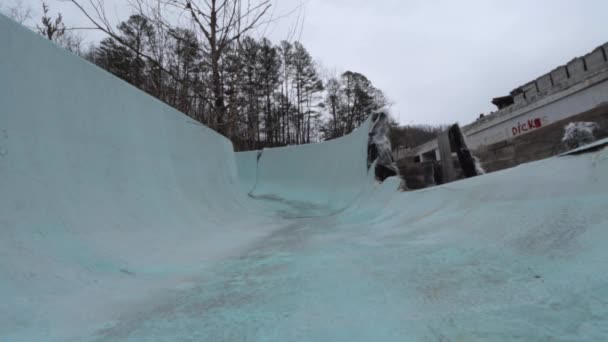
(122, 219)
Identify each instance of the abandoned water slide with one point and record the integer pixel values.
(122, 219)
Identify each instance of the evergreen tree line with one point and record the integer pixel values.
(273, 94)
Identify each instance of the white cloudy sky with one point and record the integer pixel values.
(439, 61)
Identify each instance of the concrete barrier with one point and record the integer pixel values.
(577, 69)
(530, 89)
(544, 82)
(560, 75)
(596, 60)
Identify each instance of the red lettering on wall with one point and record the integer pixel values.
(526, 126)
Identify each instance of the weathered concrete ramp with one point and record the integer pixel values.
(123, 220)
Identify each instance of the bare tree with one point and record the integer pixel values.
(199, 57)
(222, 22)
(17, 11)
(55, 30)
(51, 29)
(218, 23)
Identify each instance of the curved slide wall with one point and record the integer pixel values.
(108, 193)
(123, 220)
(100, 182)
(318, 179)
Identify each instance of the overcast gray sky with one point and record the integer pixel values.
(439, 61)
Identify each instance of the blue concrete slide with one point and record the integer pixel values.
(122, 219)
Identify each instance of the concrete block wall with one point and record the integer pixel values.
(563, 77)
(559, 75)
(530, 89)
(538, 144)
(519, 98)
(576, 68)
(596, 60)
(579, 85)
(544, 82)
(575, 71)
(517, 120)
